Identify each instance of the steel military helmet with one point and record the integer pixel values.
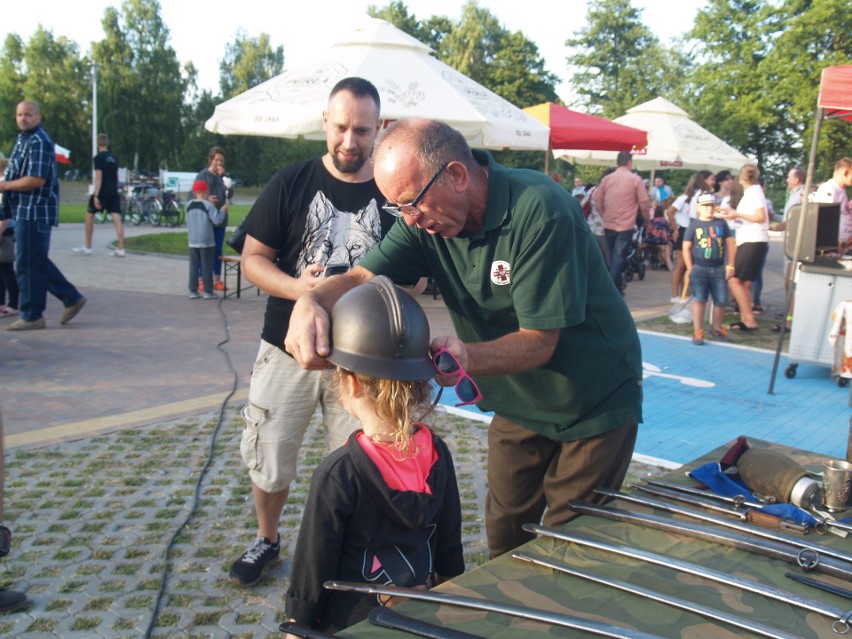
(381, 331)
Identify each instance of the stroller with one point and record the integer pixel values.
(635, 264)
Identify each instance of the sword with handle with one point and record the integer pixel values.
(387, 618)
(841, 617)
(805, 559)
(740, 501)
(553, 618)
(750, 515)
(698, 609)
(803, 545)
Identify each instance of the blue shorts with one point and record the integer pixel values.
(707, 280)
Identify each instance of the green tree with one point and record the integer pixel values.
(11, 88)
(729, 87)
(506, 62)
(619, 62)
(397, 14)
(815, 35)
(247, 63)
(49, 71)
(142, 84)
(431, 32)
(59, 81)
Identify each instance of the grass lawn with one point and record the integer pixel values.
(763, 337)
(174, 243)
(75, 213)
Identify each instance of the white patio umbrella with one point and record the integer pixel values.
(674, 142)
(411, 83)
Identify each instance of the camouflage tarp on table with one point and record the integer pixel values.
(513, 581)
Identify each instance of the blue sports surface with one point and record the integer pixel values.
(700, 397)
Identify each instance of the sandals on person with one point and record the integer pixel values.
(6, 311)
(777, 328)
(740, 326)
(721, 334)
(757, 309)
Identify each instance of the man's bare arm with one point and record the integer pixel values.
(308, 336)
(259, 264)
(26, 183)
(522, 350)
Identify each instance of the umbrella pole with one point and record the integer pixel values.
(800, 231)
(547, 160)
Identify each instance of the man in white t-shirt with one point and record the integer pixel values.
(834, 192)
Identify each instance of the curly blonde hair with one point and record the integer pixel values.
(401, 404)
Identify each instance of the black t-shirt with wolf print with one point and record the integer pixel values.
(311, 217)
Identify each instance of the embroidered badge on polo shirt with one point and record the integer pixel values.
(501, 273)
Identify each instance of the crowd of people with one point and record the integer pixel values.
(670, 224)
(342, 243)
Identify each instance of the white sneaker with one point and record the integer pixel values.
(82, 250)
(117, 253)
(674, 300)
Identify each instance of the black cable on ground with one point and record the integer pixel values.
(197, 498)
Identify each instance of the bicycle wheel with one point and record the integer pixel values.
(154, 211)
(134, 210)
(171, 214)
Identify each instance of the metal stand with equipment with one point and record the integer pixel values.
(823, 281)
(834, 101)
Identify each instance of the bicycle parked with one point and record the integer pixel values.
(172, 213)
(144, 205)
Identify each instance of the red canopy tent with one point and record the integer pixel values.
(835, 92)
(574, 130)
(834, 101)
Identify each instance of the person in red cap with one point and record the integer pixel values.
(201, 218)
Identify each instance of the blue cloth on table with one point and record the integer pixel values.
(711, 475)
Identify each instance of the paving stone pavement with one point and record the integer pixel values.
(93, 505)
(93, 518)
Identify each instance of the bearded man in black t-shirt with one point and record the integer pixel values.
(312, 219)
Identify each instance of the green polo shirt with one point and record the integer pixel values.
(534, 264)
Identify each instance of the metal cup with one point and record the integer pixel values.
(836, 484)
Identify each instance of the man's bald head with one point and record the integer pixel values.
(27, 115)
(432, 143)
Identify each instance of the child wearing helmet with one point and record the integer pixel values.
(384, 508)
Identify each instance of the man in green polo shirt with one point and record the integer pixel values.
(540, 325)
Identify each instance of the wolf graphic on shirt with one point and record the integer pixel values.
(338, 237)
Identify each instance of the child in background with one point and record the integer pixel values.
(708, 252)
(8, 279)
(384, 508)
(201, 217)
(660, 237)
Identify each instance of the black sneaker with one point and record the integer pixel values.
(11, 600)
(261, 555)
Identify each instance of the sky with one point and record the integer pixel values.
(199, 32)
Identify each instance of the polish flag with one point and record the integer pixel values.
(63, 155)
